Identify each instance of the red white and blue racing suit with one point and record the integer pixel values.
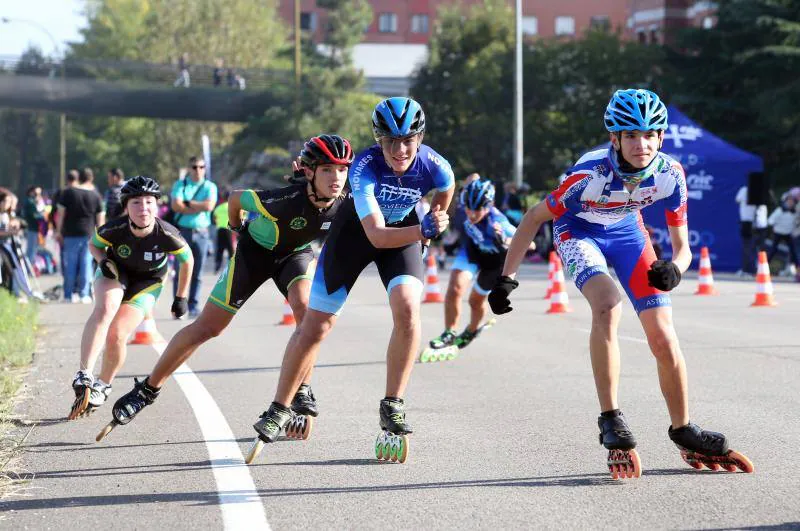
(598, 222)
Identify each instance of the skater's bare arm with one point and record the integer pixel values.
(235, 208)
(184, 277)
(98, 254)
(681, 254)
(522, 239)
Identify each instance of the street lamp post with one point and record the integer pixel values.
(518, 144)
(62, 126)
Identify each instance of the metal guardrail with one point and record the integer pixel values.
(144, 73)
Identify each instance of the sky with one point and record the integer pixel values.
(62, 18)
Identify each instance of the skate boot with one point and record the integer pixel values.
(616, 436)
(708, 448)
(98, 396)
(129, 405)
(304, 407)
(440, 348)
(82, 385)
(392, 442)
(467, 337)
(269, 427)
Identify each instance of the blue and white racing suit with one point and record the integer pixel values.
(483, 251)
(376, 190)
(598, 222)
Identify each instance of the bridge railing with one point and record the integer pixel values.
(143, 73)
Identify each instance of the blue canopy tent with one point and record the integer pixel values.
(715, 170)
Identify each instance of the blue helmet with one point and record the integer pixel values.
(397, 117)
(635, 110)
(477, 194)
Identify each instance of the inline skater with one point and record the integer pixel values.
(275, 245)
(378, 225)
(486, 235)
(132, 254)
(597, 222)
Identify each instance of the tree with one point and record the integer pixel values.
(750, 97)
(466, 88)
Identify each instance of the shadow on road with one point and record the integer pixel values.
(213, 498)
(235, 370)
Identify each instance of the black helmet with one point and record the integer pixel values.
(326, 149)
(139, 186)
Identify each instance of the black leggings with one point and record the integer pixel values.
(776, 240)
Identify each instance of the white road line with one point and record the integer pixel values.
(239, 501)
(626, 338)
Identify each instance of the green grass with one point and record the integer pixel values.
(18, 324)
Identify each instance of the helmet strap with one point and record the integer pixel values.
(135, 226)
(312, 186)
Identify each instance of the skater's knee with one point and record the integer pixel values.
(406, 315)
(607, 311)
(116, 337)
(313, 330)
(664, 345)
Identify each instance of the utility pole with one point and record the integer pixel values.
(518, 143)
(62, 126)
(297, 42)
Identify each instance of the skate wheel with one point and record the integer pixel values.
(452, 354)
(402, 448)
(305, 431)
(691, 460)
(379, 446)
(741, 461)
(425, 356)
(393, 444)
(635, 467)
(79, 405)
(729, 468)
(255, 449)
(105, 431)
(711, 465)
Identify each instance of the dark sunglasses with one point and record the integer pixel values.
(198, 167)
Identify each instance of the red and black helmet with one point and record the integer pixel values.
(326, 149)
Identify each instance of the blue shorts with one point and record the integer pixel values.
(347, 251)
(586, 251)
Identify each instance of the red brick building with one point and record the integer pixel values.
(401, 29)
(655, 21)
(412, 21)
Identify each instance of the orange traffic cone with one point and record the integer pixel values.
(288, 315)
(559, 300)
(763, 283)
(705, 278)
(551, 269)
(146, 333)
(432, 292)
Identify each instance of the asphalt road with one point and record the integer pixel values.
(505, 435)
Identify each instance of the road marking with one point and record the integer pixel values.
(626, 338)
(239, 501)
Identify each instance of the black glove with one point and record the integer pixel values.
(424, 251)
(498, 298)
(109, 269)
(180, 307)
(664, 275)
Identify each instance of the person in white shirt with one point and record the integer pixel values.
(783, 222)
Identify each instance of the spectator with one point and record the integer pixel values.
(116, 178)
(224, 234)
(783, 222)
(80, 210)
(183, 79)
(217, 74)
(512, 204)
(240, 82)
(33, 215)
(230, 78)
(193, 199)
(753, 227)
